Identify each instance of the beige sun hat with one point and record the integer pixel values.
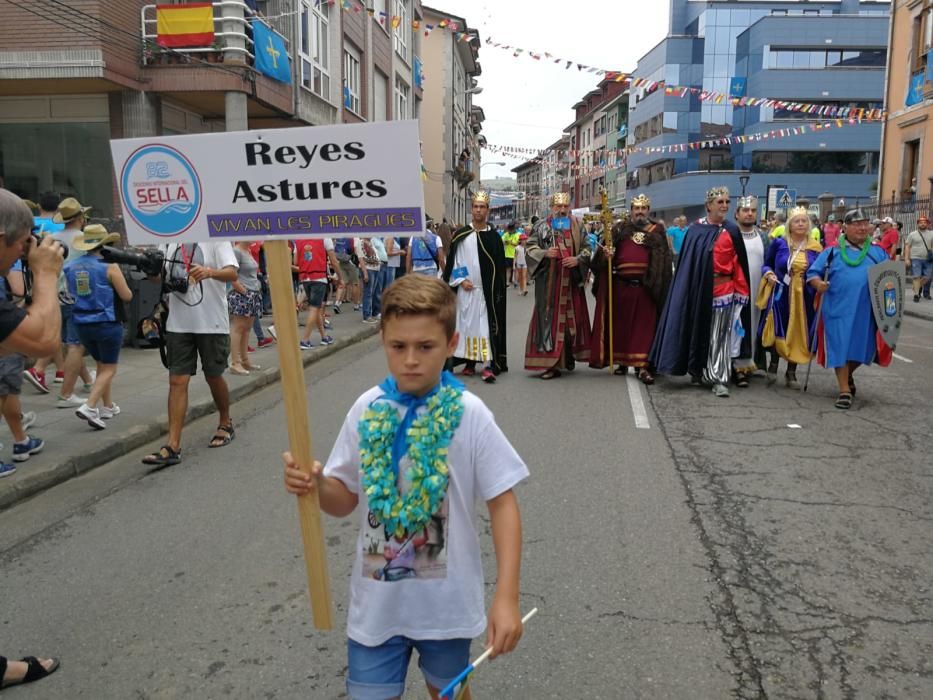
(68, 209)
(93, 237)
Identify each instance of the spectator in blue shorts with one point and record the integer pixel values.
(98, 317)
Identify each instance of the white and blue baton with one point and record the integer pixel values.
(463, 679)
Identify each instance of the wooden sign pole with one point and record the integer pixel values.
(278, 265)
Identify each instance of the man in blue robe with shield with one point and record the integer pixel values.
(847, 334)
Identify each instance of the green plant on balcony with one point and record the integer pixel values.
(216, 54)
(463, 175)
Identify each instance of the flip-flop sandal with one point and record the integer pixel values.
(35, 671)
(844, 401)
(165, 457)
(550, 374)
(224, 439)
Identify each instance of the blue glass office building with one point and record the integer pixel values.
(830, 52)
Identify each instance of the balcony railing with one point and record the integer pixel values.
(221, 48)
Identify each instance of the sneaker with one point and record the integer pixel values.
(305, 345)
(371, 320)
(721, 390)
(25, 450)
(266, 342)
(250, 349)
(32, 376)
(91, 415)
(6, 469)
(327, 340)
(336, 307)
(271, 330)
(357, 307)
(28, 419)
(108, 412)
(59, 377)
(489, 376)
(69, 402)
(916, 298)
(327, 325)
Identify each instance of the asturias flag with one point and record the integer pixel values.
(185, 26)
(271, 53)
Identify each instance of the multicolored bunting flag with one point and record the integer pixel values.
(271, 53)
(185, 26)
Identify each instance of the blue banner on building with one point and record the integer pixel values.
(271, 53)
(416, 70)
(737, 87)
(930, 66)
(915, 93)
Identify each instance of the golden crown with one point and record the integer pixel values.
(482, 197)
(641, 201)
(798, 211)
(560, 198)
(716, 193)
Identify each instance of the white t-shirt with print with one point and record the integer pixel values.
(430, 585)
(203, 308)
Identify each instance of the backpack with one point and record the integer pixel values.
(343, 249)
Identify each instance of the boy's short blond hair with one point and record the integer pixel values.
(419, 295)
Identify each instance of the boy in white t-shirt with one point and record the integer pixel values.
(417, 581)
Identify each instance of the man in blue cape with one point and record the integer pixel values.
(700, 329)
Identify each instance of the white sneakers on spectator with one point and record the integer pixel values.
(91, 415)
(108, 412)
(69, 401)
(28, 419)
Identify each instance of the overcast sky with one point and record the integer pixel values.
(528, 103)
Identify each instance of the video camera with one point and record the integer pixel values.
(149, 262)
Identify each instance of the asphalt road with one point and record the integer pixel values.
(715, 553)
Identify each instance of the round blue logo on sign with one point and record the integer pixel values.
(161, 190)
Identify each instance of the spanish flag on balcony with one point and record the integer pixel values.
(185, 26)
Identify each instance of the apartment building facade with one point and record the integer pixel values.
(824, 52)
(73, 76)
(907, 150)
(532, 200)
(451, 124)
(588, 138)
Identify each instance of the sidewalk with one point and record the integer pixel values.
(140, 388)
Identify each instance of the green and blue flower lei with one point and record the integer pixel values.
(385, 439)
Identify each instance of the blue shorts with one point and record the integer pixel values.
(69, 330)
(378, 673)
(102, 340)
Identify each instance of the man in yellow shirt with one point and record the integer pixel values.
(510, 239)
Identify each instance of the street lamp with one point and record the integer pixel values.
(743, 179)
(483, 165)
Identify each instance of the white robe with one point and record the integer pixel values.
(756, 258)
(472, 320)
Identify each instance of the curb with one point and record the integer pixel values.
(30, 484)
(917, 314)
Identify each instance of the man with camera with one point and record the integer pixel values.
(195, 277)
(33, 331)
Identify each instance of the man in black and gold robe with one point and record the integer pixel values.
(475, 270)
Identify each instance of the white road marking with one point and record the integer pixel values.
(902, 359)
(638, 405)
(794, 426)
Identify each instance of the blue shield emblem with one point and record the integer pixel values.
(890, 300)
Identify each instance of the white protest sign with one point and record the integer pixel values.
(307, 182)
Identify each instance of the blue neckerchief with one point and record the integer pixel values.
(411, 404)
